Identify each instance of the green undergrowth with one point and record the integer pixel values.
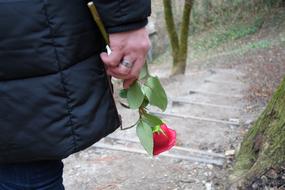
(240, 38)
(220, 36)
(235, 39)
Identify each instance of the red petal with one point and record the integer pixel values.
(164, 142)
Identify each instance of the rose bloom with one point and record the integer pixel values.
(163, 141)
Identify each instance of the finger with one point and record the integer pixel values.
(126, 63)
(118, 76)
(137, 66)
(128, 82)
(134, 75)
(124, 67)
(113, 59)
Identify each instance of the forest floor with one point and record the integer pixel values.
(211, 108)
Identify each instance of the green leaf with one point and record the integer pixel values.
(123, 93)
(151, 120)
(155, 93)
(145, 102)
(135, 96)
(144, 72)
(144, 133)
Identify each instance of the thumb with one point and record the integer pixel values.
(104, 57)
(113, 59)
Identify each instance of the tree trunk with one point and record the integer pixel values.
(264, 145)
(205, 7)
(179, 44)
(178, 68)
(170, 26)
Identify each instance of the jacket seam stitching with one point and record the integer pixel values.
(50, 73)
(62, 80)
(110, 91)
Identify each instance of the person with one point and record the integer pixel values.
(55, 98)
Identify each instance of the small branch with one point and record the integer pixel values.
(126, 128)
(98, 21)
(124, 105)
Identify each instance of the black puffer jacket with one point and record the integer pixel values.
(54, 94)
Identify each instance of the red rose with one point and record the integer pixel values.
(163, 141)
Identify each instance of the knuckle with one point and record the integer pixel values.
(145, 45)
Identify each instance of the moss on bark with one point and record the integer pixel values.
(264, 145)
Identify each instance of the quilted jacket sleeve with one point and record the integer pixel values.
(123, 15)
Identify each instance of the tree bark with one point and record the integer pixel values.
(170, 26)
(179, 44)
(264, 145)
(205, 6)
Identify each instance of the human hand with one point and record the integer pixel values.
(131, 48)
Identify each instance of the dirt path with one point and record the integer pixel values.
(206, 111)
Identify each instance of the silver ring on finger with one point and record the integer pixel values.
(127, 63)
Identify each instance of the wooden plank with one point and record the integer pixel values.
(190, 150)
(219, 162)
(223, 82)
(195, 118)
(214, 94)
(209, 154)
(187, 101)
